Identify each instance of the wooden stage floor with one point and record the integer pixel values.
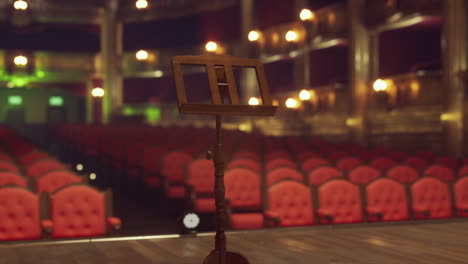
(412, 242)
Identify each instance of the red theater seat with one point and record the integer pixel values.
(323, 174)
(291, 203)
(398, 156)
(363, 174)
(463, 171)
(200, 178)
(430, 199)
(279, 154)
(382, 163)
(313, 163)
(426, 155)
(447, 162)
(247, 155)
(307, 154)
(440, 172)
(8, 166)
(386, 201)
(5, 157)
(173, 169)
(416, 162)
(334, 156)
(32, 156)
(19, 214)
(283, 173)
(13, 178)
(339, 202)
(403, 174)
(40, 167)
(348, 163)
(244, 163)
(279, 162)
(460, 189)
(81, 211)
(54, 180)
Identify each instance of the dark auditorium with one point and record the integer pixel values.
(234, 131)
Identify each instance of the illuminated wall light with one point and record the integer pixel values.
(92, 176)
(158, 74)
(56, 101)
(380, 85)
(305, 95)
(254, 101)
(79, 167)
(141, 4)
(211, 46)
(142, 55)
(291, 36)
(20, 5)
(15, 100)
(20, 60)
(97, 92)
(292, 103)
(253, 35)
(306, 15)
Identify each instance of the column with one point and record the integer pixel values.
(360, 71)
(301, 62)
(454, 62)
(248, 22)
(111, 53)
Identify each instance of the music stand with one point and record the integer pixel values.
(221, 82)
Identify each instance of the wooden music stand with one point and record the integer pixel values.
(221, 82)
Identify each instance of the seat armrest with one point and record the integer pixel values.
(422, 211)
(47, 228)
(374, 213)
(325, 215)
(272, 218)
(114, 224)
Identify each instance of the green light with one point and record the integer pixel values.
(128, 111)
(56, 101)
(153, 114)
(19, 82)
(40, 74)
(15, 100)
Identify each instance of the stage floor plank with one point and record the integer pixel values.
(429, 242)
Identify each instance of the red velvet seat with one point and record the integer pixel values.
(363, 174)
(416, 162)
(8, 166)
(386, 200)
(348, 163)
(200, 177)
(430, 199)
(403, 174)
(313, 163)
(426, 155)
(5, 157)
(463, 171)
(12, 178)
(447, 162)
(173, 169)
(396, 155)
(337, 155)
(291, 202)
(278, 154)
(244, 163)
(40, 167)
(243, 195)
(81, 211)
(367, 155)
(440, 172)
(339, 202)
(382, 163)
(279, 162)
(323, 174)
(460, 189)
(246, 155)
(282, 173)
(152, 166)
(32, 156)
(307, 154)
(54, 180)
(19, 214)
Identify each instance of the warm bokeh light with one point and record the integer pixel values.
(211, 46)
(92, 176)
(253, 35)
(141, 4)
(79, 167)
(291, 36)
(305, 95)
(292, 103)
(158, 74)
(380, 85)
(97, 92)
(20, 60)
(20, 5)
(254, 101)
(306, 15)
(142, 55)
(275, 102)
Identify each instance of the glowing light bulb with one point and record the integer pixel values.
(92, 176)
(211, 46)
(97, 92)
(292, 103)
(79, 167)
(253, 35)
(254, 101)
(305, 95)
(20, 60)
(141, 4)
(20, 5)
(158, 74)
(380, 85)
(306, 15)
(142, 55)
(291, 36)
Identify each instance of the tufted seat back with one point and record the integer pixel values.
(461, 196)
(173, 166)
(313, 163)
(306, 154)
(348, 163)
(403, 174)
(279, 162)
(416, 162)
(336, 155)
(151, 158)
(426, 155)
(277, 154)
(245, 163)
(440, 172)
(323, 174)
(32, 157)
(40, 167)
(279, 174)
(292, 201)
(246, 155)
(8, 177)
(243, 188)
(388, 197)
(201, 175)
(52, 181)
(397, 155)
(432, 195)
(342, 200)
(363, 174)
(5, 157)
(78, 211)
(382, 163)
(447, 162)
(19, 214)
(463, 171)
(8, 166)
